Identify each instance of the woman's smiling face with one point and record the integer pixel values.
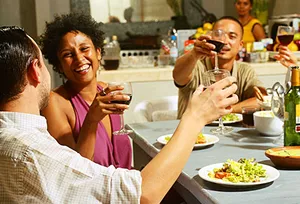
(243, 7)
(79, 59)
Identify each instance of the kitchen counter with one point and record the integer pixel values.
(148, 74)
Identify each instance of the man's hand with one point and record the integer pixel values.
(286, 57)
(202, 48)
(214, 102)
(102, 105)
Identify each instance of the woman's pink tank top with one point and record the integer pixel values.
(117, 151)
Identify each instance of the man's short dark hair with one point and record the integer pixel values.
(61, 25)
(17, 51)
(233, 19)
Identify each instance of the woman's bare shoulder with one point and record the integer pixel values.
(60, 95)
(59, 98)
(59, 103)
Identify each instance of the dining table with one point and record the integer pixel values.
(241, 143)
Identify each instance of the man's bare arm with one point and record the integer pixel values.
(184, 66)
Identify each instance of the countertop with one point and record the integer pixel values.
(148, 74)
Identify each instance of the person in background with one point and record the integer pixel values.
(36, 168)
(190, 67)
(79, 114)
(253, 30)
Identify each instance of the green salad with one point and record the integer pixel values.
(244, 170)
(230, 117)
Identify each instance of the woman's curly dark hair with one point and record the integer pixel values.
(55, 30)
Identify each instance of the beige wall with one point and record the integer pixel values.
(32, 15)
(45, 11)
(157, 10)
(286, 7)
(216, 7)
(10, 12)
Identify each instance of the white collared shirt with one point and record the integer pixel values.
(34, 168)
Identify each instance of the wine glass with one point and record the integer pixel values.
(277, 106)
(285, 35)
(126, 91)
(209, 78)
(218, 39)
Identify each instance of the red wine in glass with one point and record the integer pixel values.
(248, 120)
(217, 38)
(127, 90)
(219, 45)
(285, 40)
(123, 102)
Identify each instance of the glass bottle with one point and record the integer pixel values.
(116, 43)
(292, 110)
(173, 50)
(111, 57)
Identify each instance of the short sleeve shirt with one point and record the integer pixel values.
(244, 73)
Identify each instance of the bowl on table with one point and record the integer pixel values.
(285, 157)
(266, 123)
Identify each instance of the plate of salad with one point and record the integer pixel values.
(230, 118)
(244, 172)
(203, 140)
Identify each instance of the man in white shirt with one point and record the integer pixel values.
(36, 169)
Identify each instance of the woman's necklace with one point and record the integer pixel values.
(246, 21)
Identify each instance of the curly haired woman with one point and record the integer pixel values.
(79, 114)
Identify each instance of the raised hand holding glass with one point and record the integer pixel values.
(127, 90)
(209, 78)
(218, 39)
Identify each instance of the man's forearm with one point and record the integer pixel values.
(184, 66)
(166, 171)
(237, 108)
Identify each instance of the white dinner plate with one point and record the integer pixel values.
(272, 175)
(240, 116)
(211, 139)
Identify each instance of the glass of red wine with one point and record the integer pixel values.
(285, 35)
(209, 78)
(126, 91)
(218, 39)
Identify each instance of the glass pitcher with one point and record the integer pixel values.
(277, 100)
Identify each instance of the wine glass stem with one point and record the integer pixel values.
(216, 61)
(221, 123)
(122, 121)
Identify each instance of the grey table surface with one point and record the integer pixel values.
(242, 143)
